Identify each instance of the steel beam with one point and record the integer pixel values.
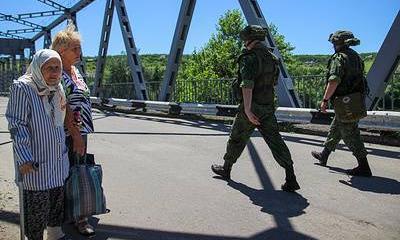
(103, 47)
(81, 65)
(74, 9)
(19, 31)
(53, 4)
(287, 96)
(384, 65)
(39, 14)
(20, 21)
(177, 47)
(14, 46)
(131, 51)
(7, 35)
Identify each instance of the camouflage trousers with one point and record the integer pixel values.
(242, 129)
(350, 134)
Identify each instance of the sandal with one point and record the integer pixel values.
(84, 228)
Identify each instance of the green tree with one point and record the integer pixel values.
(285, 48)
(217, 61)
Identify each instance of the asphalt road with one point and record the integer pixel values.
(159, 185)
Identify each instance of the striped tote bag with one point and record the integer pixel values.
(84, 195)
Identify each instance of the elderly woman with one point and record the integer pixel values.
(35, 113)
(68, 44)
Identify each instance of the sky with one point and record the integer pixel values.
(306, 24)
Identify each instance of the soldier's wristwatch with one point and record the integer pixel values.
(325, 100)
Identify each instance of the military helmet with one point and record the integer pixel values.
(343, 38)
(253, 32)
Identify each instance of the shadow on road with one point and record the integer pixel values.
(278, 203)
(317, 142)
(374, 184)
(106, 231)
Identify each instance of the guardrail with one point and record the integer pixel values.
(310, 89)
(375, 120)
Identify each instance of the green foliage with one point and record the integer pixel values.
(205, 75)
(217, 58)
(285, 48)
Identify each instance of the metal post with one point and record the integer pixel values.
(139, 83)
(7, 75)
(22, 66)
(81, 65)
(32, 52)
(384, 65)
(103, 47)
(287, 97)
(47, 39)
(2, 77)
(176, 51)
(14, 67)
(19, 182)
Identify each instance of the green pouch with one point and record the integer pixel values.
(350, 108)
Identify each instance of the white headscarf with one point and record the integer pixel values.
(55, 106)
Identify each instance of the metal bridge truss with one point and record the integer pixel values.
(385, 64)
(12, 44)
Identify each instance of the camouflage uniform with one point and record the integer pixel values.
(262, 106)
(258, 70)
(347, 69)
(344, 71)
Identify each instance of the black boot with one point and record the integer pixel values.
(322, 156)
(362, 169)
(291, 184)
(223, 170)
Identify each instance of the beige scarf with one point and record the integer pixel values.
(53, 97)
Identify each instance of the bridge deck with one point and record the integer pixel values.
(159, 185)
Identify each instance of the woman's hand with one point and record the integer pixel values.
(26, 168)
(78, 145)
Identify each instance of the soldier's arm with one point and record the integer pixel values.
(330, 89)
(336, 73)
(248, 65)
(247, 98)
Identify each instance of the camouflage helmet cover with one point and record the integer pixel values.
(253, 32)
(343, 38)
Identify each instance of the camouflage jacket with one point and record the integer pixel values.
(347, 68)
(259, 70)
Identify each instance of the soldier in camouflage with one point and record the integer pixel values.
(257, 74)
(345, 76)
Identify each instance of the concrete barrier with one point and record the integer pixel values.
(376, 120)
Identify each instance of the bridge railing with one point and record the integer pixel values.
(218, 91)
(310, 89)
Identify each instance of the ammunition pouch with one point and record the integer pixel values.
(350, 108)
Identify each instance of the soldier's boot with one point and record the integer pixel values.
(362, 169)
(291, 183)
(322, 156)
(223, 170)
